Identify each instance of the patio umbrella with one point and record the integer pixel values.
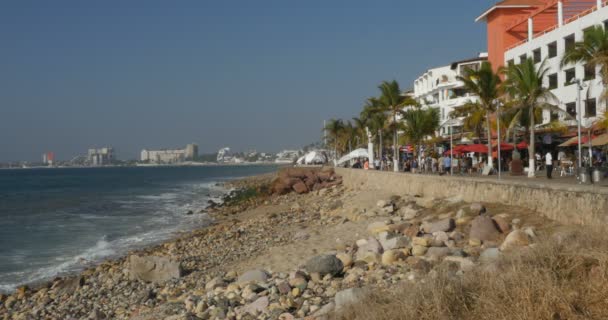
(504, 146)
(522, 145)
(478, 148)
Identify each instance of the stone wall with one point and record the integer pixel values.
(565, 203)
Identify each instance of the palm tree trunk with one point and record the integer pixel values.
(531, 147)
(489, 133)
(395, 151)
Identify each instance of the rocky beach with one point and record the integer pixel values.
(300, 245)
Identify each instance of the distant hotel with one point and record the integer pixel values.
(520, 29)
(48, 159)
(101, 156)
(167, 156)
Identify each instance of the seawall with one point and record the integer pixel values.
(565, 203)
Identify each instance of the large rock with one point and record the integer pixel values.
(370, 245)
(258, 306)
(502, 224)
(408, 213)
(255, 275)
(484, 228)
(444, 225)
(348, 297)
(325, 264)
(300, 187)
(392, 256)
(391, 241)
(515, 239)
(465, 264)
(154, 269)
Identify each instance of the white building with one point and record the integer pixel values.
(168, 156)
(440, 88)
(287, 156)
(544, 30)
(101, 156)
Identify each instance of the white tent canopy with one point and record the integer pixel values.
(315, 157)
(358, 153)
(301, 160)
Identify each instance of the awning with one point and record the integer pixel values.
(600, 140)
(574, 141)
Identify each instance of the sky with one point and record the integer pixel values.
(245, 74)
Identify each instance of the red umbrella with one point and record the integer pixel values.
(522, 145)
(479, 148)
(457, 150)
(504, 146)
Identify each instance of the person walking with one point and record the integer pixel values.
(447, 164)
(549, 164)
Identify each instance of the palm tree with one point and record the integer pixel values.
(334, 129)
(485, 84)
(392, 102)
(419, 123)
(524, 86)
(474, 116)
(593, 51)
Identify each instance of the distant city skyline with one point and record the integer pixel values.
(153, 74)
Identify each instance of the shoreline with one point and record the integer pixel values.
(274, 239)
(231, 188)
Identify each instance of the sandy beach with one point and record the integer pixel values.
(291, 256)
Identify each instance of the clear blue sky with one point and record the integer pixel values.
(246, 74)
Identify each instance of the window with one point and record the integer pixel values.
(590, 108)
(570, 75)
(589, 72)
(552, 48)
(552, 81)
(571, 108)
(536, 54)
(569, 42)
(554, 116)
(522, 58)
(510, 62)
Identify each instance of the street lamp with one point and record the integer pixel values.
(498, 125)
(579, 86)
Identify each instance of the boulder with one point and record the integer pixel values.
(392, 256)
(370, 245)
(154, 269)
(325, 264)
(418, 250)
(483, 228)
(258, 306)
(444, 225)
(391, 241)
(464, 264)
(300, 188)
(214, 283)
(348, 297)
(408, 213)
(411, 231)
(515, 239)
(255, 275)
(489, 255)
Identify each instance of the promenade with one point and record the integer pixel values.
(561, 199)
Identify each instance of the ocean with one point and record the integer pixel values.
(58, 221)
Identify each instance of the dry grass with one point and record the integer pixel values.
(562, 277)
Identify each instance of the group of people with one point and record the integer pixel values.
(469, 164)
